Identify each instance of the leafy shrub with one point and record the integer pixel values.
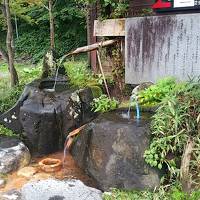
(156, 93)
(32, 44)
(176, 120)
(104, 104)
(113, 9)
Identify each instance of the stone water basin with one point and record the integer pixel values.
(111, 148)
(48, 84)
(44, 116)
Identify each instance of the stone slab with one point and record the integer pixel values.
(161, 46)
(52, 189)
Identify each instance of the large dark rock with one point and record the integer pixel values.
(111, 148)
(45, 116)
(13, 154)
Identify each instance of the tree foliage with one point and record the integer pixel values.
(33, 26)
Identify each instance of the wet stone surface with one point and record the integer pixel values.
(111, 148)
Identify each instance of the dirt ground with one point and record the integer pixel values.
(69, 171)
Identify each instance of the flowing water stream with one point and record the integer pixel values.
(65, 151)
(133, 98)
(54, 85)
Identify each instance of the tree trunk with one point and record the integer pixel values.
(10, 47)
(51, 19)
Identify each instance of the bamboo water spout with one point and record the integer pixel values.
(88, 48)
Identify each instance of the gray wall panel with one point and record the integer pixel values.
(160, 46)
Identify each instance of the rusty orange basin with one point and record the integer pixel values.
(50, 165)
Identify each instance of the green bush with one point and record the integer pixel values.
(104, 104)
(156, 93)
(32, 43)
(175, 121)
(9, 97)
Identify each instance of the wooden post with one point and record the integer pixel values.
(102, 72)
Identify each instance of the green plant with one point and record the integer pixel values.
(169, 192)
(7, 132)
(104, 104)
(176, 120)
(156, 93)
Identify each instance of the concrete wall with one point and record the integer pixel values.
(160, 46)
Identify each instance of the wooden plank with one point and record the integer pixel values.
(109, 27)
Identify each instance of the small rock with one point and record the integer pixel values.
(41, 176)
(2, 183)
(27, 172)
(13, 154)
(11, 195)
(142, 86)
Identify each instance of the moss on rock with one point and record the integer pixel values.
(96, 91)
